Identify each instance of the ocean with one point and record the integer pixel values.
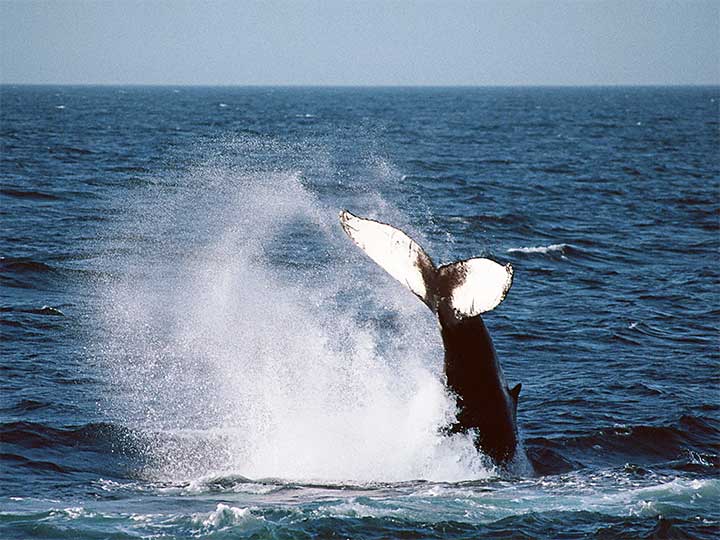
(191, 347)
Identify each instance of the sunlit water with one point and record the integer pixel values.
(192, 347)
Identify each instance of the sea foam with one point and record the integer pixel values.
(541, 249)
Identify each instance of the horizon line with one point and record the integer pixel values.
(369, 86)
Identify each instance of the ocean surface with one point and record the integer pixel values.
(191, 347)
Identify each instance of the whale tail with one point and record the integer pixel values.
(469, 287)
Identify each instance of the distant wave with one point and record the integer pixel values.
(129, 169)
(21, 264)
(15, 460)
(544, 250)
(98, 436)
(684, 445)
(23, 194)
(25, 273)
(69, 150)
(45, 310)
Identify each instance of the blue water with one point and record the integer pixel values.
(192, 348)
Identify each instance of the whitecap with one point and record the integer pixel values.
(49, 310)
(356, 509)
(225, 516)
(540, 249)
(230, 483)
(73, 512)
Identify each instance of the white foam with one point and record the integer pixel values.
(225, 516)
(540, 249)
(354, 508)
(51, 310)
(568, 493)
(73, 512)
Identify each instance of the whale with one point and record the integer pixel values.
(458, 294)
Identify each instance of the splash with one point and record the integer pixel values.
(243, 334)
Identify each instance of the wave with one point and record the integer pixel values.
(25, 273)
(226, 516)
(79, 522)
(692, 443)
(70, 150)
(23, 265)
(129, 169)
(501, 219)
(98, 436)
(85, 452)
(35, 195)
(44, 310)
(573, 505)
(15, 460)
(26, 405)
(562, 249)
(561, 168)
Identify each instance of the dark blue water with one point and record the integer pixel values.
(191, 346)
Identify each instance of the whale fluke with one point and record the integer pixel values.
(468, 287)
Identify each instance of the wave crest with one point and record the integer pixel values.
(543, 250)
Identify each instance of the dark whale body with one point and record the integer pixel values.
(485, 404)
(457, 293)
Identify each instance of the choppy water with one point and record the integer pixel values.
(191, 346)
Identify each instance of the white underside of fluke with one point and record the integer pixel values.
(484, 286)
(472, 287)
(393, 250)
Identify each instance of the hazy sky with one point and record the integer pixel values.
(360, 42)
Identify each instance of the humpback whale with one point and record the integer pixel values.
(458, 293)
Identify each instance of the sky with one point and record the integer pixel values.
(360, 42)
